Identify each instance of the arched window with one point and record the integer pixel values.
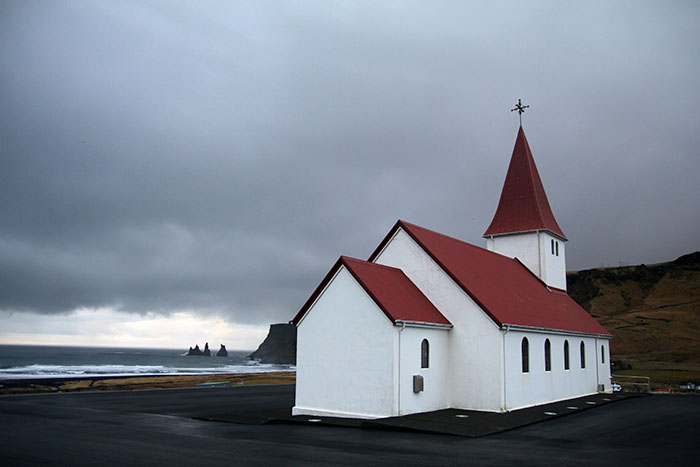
(547, 356)
(552, 246)
(566, 355)
(424, 354)
(525, 354)
(602, 354)
(583, 355)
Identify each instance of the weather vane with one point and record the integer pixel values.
(520, 108)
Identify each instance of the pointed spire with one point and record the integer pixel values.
(523, 206)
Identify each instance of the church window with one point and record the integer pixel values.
(547, 356)
(552, 246)
(424, 354)
(556, 244)
(566, 355)
(602, 354)
(583, 355)
(525, 350)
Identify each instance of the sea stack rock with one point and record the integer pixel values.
(194, 352)
(222, 351)
(207, 352)
(280, 345)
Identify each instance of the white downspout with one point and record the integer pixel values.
(597, 364)
(403, 326)
(505, 389)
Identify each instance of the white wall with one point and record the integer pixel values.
(435, 377)
(534, 250)
(345, 354)
(554, 270)
(603, 364)
(525, 247)
(539, 386)
(475, 346)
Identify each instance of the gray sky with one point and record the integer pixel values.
(215, 158)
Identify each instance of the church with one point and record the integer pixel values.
(430, 322)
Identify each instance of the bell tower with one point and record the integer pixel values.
(524, 226)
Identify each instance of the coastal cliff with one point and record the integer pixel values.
(280, 345)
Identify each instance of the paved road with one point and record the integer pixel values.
(157, 428)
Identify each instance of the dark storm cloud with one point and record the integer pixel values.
(161, 156)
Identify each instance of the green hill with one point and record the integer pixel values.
(653, 312)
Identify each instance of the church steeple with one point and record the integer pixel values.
(524, 226)
(523, 206)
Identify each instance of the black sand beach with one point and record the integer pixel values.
(167, 427)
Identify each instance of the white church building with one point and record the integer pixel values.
(430, 322)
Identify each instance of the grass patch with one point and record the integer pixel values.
(664, 375)
(146, 382)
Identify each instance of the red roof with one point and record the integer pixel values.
(390, 288)
(503, 287)
(523, 205)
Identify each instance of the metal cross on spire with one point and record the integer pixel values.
(520, 108)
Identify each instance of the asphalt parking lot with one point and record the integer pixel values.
(174, 427)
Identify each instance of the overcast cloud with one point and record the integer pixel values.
(217, 157)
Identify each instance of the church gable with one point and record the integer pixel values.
(400, 250)
(502, 287)
(389, 288)
(349, 343)
(339, 340)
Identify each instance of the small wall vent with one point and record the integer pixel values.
(417, 383)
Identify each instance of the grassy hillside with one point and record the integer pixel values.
(653, 313)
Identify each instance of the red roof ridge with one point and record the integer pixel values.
(448, 270)
(350, 259)
(403, 223)
(523, 205)
(461, 261)
(407, 226)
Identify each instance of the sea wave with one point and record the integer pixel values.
(62, 371)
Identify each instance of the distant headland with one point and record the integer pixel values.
(280, 345)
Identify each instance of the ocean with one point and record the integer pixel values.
(36, 362)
